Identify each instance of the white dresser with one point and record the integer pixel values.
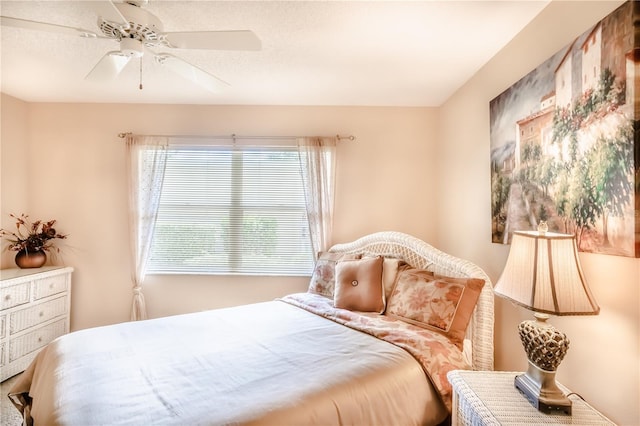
(34, 310)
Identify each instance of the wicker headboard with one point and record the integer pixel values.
(420, 254)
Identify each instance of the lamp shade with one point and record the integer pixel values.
(543, 274)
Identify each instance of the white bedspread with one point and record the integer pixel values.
(267, 363)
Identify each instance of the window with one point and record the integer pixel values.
(232, 210)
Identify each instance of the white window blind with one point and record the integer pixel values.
(232, 210)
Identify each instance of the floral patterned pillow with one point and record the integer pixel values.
(323, 279)
(434, 302)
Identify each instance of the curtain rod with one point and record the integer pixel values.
(234, 136)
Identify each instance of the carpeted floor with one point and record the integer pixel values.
(9, 416)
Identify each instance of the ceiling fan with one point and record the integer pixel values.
(138, 31)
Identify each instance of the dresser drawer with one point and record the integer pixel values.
(36, 314)
(48, 286)
(36, 339)
(14, 295)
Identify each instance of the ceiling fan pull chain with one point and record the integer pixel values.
(140, 73)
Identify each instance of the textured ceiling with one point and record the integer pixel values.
(378, 53)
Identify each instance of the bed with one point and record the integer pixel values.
(331, 355)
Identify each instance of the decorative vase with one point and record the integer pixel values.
(32, 259)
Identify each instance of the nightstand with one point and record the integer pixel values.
(490, 398)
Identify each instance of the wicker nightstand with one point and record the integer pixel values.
(490, 398)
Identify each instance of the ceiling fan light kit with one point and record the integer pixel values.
(131, 47)
(138, 31)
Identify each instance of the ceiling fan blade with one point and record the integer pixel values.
(109, 66)
(216, 40)
(109, 12)
(43, 26)
(191, 72)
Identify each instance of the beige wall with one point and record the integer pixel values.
(603, 360)
(79, 178)
(14, 152)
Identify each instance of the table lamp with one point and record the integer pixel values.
(543, 274)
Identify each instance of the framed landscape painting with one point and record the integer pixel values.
(563, 143)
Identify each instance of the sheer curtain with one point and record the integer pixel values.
(146, 163)
(318, 164)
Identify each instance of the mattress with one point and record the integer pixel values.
(271, 363)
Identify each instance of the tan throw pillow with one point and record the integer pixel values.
(389, 274)
(359, 285)
(435, 302)
(323, 277)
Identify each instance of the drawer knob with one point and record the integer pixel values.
(41, 314)
(39, 339)
(51, 285)
(7, 297)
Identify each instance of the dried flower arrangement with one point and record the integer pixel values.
(32, 237)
